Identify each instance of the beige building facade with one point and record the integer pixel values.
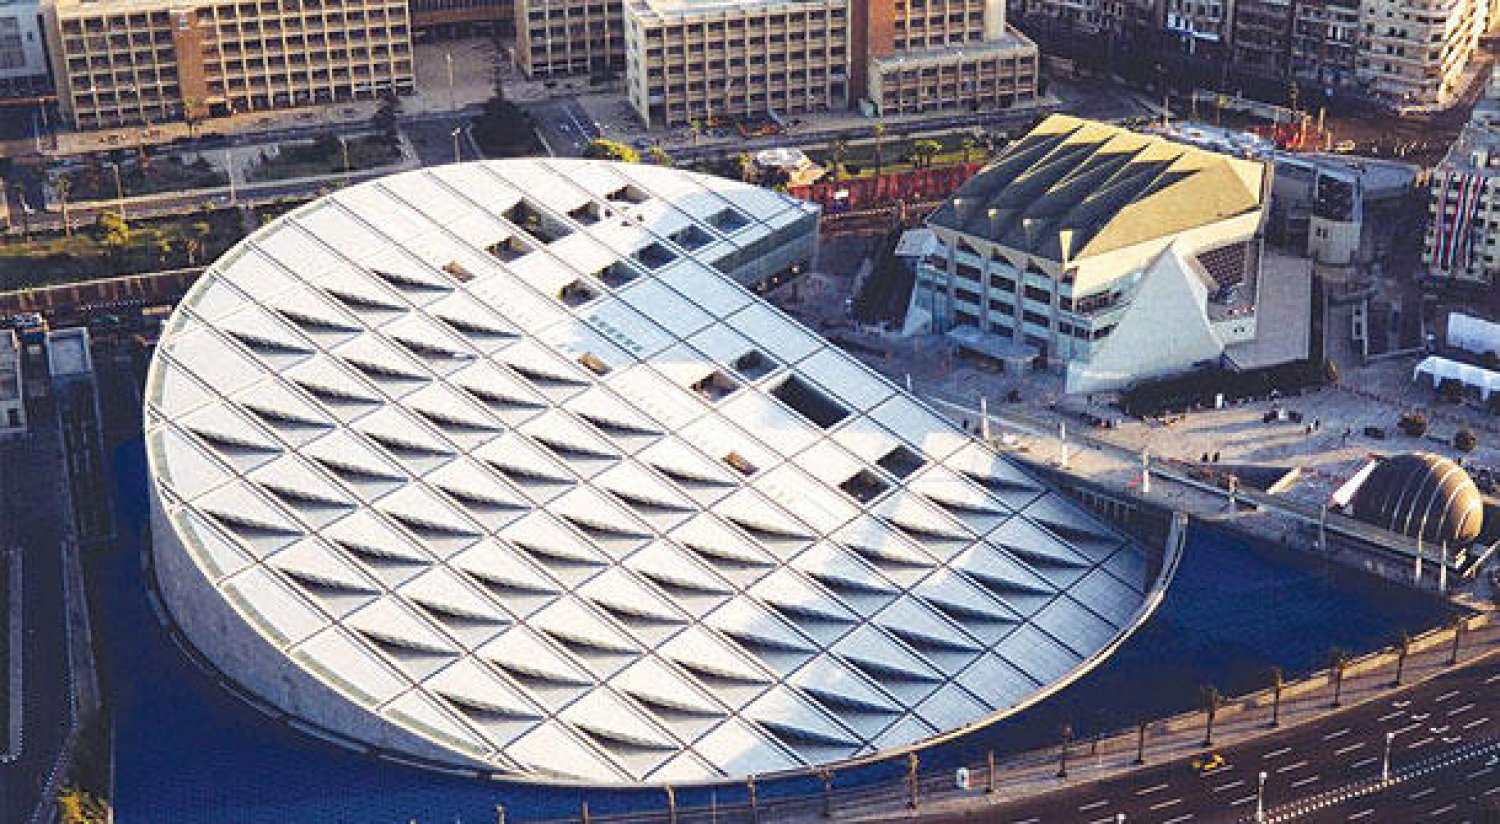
(144, 61)
(1415, 52)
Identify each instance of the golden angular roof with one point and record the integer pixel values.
(1095, 187)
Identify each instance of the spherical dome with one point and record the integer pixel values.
(1422, 493)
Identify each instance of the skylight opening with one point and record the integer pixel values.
(753, 365)
(509, 249)
(901, 462)
(627, 194)
(456, 270)
(864, 486)
(577, 293)
(653, 256)
(809, 402)
(591, 362)
(728, 220)
(535, 223)
(715, 387)
(588, 214)
(617, 274)
(741, 464)
(692, 238)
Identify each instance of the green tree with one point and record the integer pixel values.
(1464, 440)
(659, 156)
(116, 232)
(923, 151)
(1212, 700)
(745, 168)
(192, 240)
(611, 150)
(968, 144)
(838, 154)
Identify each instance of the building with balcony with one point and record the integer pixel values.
(136, 62)
(1463, 241)
(12, 396)
(1416, 53)
(498, 468)
(560, 38)
(1325, 43)
(1114, 255)
(23, 49)
(462, 17)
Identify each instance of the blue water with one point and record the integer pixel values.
(188, 752)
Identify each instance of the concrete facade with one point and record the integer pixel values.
(126, 62)
(23, 55)
(12, 394)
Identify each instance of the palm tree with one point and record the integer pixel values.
(1337, 660)
(1140, 740)
(1212, 701)
(969, 143)
(62, 186)
(659, 156)
(1066, 731)
(745, 165)
(838, 154)
(1403, 648)
(878, 130)
(1277, 682)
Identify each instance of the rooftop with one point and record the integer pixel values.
(568, 509)
(1072, 188)
(1476, 150)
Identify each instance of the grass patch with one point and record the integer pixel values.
(108, 248)
(325, 156)
(96, 181)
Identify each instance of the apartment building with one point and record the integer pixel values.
(23, 56)
(1114, 255)
(1325, 42)
(1262, 36)
(559, 38)
(1415, 52)
(462, 17)
(915, 56)
(691, 60)
(1201, 27)
(12, 398)
(1463, 230)
(124, 62)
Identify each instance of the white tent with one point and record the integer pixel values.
(1441, 369)
(1473, 334)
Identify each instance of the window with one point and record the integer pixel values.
(808, 402)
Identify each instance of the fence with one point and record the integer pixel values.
(906, 787)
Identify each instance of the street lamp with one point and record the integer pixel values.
(1385, 762)
(1260, 798)
(448, 58)
(119, 190)
(344, 149)
(457, 154)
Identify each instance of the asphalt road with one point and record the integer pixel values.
(1445, 766)
(565, 128)
(30, 520)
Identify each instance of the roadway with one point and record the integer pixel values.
(31, 520)
(1444, 766)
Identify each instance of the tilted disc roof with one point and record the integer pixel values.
(1422, 494)
(495, 451)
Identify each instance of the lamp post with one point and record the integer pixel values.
(119, 190)
(1385, 761)
(1260, 798)
(344, 151)
(448, 60)
(229, 173)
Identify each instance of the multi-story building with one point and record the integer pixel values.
(1325, 43)
(1416, 52)
(699, 60)
(23, 55)
(687, 60)
(460, 17)
(1201, 26)
(1117, 256)
(123, 62)
(1463, 243)
(921, 55)
(570, 37)
(1262, 36)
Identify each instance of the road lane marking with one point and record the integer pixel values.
(1363, 763)
(1447, 695)
(1094, 805)
(1179, 819)
(1109, 819)
(1423, 717)
(1162, 805)
(1345, 750)
(1277, 753)
(1336, 734)
(1388, 716)
(1422, 793)
(1295, 765)
(1238, 801)
(1301, 782)
(1227, 787)
(1407, 728)
(1485, 771)
(1457, 710)
(1492, 790)
(1447, 808)
(1028, 821)
(1493, 678)
(1476, 722)
(1420, 742)
(1155, 789)
(1361, 814)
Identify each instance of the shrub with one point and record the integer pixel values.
(1413, 424)
(1451, 390)
(1464, 440)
